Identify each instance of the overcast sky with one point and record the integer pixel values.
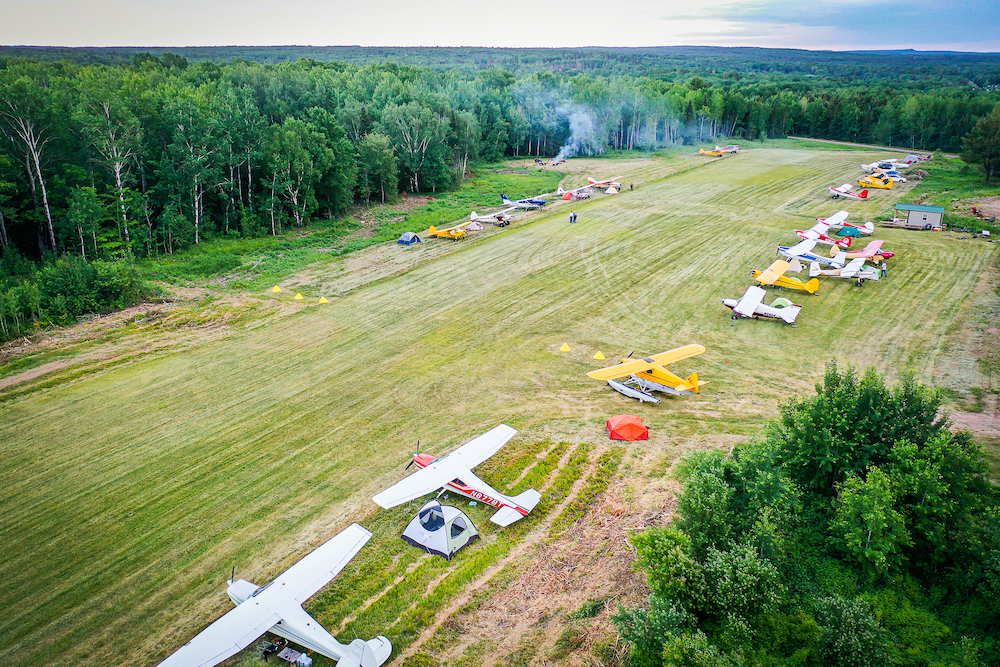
(929, 25)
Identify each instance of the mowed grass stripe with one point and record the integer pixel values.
(133, 491)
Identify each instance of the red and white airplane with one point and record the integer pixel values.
(577, 193)
(818, 231)
(847, 190)
(872, 250)
(606, 183)
(454, 472)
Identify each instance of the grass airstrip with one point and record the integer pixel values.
(129, 491)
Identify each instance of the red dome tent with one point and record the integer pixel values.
(627, 427)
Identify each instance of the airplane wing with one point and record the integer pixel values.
(773, 272)
(836, 220)
(802, 247)
(749, 301)
(457, 464)
(872, 249)
(678, 354)
(620, 370)
(238, 628)
(852, 267)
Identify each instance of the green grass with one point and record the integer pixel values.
(130, 492)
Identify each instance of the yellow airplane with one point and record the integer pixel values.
(876, 181)
(650, 374)
(457, 232)
(775, 275)
(715, 153)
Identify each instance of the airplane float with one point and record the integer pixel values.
(455, 233)
(573, 195)
(650, 374)
(818, 231)
(775, 275)
(527, 204)
(500, 218)
(751, 304)
(876, 181)
(871, 251)
(277, 608)
(454, 473)
(855, 269)
(846, 190)
(606, 183)
(802, 251)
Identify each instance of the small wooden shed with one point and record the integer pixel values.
(918, 216)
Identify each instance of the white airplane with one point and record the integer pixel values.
(527, 204)
(577, 193)
(887, 164)
(866, 228)
(606, 183)
(277, 607)
(854, 269)
(500, 218)
(802, 251)
(818, 231)
(846, 190)
(751, 305)
(454, 472)
(731, 148)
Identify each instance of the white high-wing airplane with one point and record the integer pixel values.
(454, 471)
(855, 269)
(278, 607)
(847, 190)
(606, 183)
(500, 218)
(751, 305)
(527, 204)
(818, 231)
(802, 251)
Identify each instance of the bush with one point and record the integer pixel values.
(849, 634)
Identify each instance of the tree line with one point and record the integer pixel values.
(156, 155)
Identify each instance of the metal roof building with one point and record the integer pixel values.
(920, 217)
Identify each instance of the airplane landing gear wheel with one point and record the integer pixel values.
(735, 316)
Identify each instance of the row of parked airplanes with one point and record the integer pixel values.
(503, 217)
(879, 174)
(277, 607)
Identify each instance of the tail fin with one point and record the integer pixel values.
(863, 194)
(844, 242)
(840, 259)
(560, 191)
(812, 286)
(692, 381)
(473, 216)
(814, 269)
(432, 229)
(506, 200)
(789, 313)
(508, 515)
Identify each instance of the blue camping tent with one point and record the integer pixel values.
(408, 238)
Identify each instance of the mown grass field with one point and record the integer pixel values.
(129, 493)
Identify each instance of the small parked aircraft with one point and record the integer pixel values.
(876, 181)
(802, 251)
(878, 165)
(455, 233)
(892, 174)
(751, 305)
(606, 183)
(818, 231)
(277, 608)
(713, 153)
(527, 204)
(854, 269)
(871, 251)
(866, 228)
(578, 193)
(650, 374)
(454, 472)
(500, 218)
(775, 275)
(729, 148)
(846, 190)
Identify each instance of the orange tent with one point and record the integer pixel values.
(627, 427)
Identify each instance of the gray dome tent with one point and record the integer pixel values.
(408, 238)
(441, 529)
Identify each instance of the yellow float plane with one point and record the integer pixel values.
(457, 232)
(775, 275)
(650, 374)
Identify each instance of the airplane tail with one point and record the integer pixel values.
(506, 200)
(814, 270)
(473, 216)
(868, 227)
(844, 242)
(560, 191)
(789, 313)
(508, 515)
(840, 259)
(432, 229)
(863, 194)
(692, 382)
(812, 286)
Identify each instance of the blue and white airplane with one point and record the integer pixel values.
(803, 252)
(527, 204)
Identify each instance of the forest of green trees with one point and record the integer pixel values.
(156, 153)
(858, 532)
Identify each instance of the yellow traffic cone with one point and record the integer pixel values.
(299, 297)
(565, 348)
(322, 299)
(600, 356)
(275, 289)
